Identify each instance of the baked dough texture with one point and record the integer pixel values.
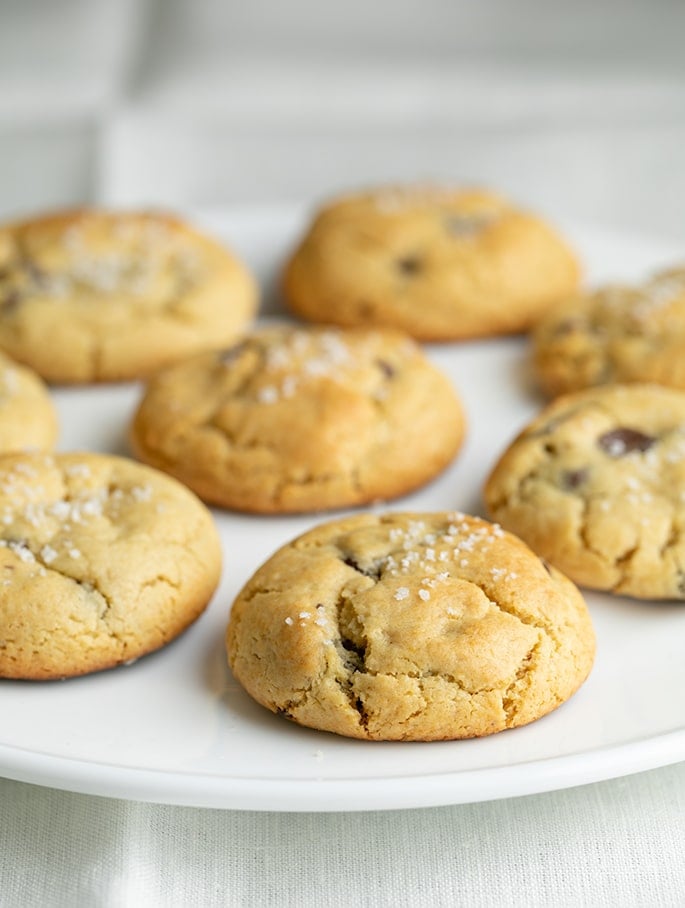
(409, 627)
(596, 485)
(615, 334)
(102, 560)
(301, 419)
(438, 263)
(89, 296)
(28, 420)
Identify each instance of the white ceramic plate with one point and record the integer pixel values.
(175, 728)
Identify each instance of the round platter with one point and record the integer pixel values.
(176, 728)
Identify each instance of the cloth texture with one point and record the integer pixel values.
(608, 844)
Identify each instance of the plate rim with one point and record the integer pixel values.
(399, 792)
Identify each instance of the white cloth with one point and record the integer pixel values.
(619, 843)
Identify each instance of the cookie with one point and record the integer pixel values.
(440, 264)
(411, 627)
(90, 296)
(28, 420)
(615, 334)
(303, 419)
(102, 560)
(596, 485)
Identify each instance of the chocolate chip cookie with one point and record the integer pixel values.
(28, 420)
(438, 263)
(102, 560)
(102, 296)
(301, 419)
(615, 334)
(409, 627)
(596, 485)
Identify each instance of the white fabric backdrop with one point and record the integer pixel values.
(576, 109)
(615, 844)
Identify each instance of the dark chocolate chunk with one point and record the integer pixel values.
(354, 649)
(385, 367)
(36, 276)
(573, 479)
(568, 326)
(372, 571)
(231, 354)
(10, 300)
(409, 265)
(622, 441)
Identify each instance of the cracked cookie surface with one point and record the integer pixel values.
(615, 334)
(28, 420)
(102, 296)
(596, 484)
(409, 627)
(301, 419)
(102, 560)
(438, 263)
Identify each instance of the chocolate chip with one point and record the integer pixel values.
(572, 479)
(622, 441)
(409, 265)
(35, 274)
(385, 367)
(231, 354)
(10, 300)
(354, 649)
(373, 571)
(568, 326)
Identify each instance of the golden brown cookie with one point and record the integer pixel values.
(596, 484)
(28, 420)
(615, 334)
(301, 419)
(103, 296)
(409, 627)
(102, 560)
(440, 264)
